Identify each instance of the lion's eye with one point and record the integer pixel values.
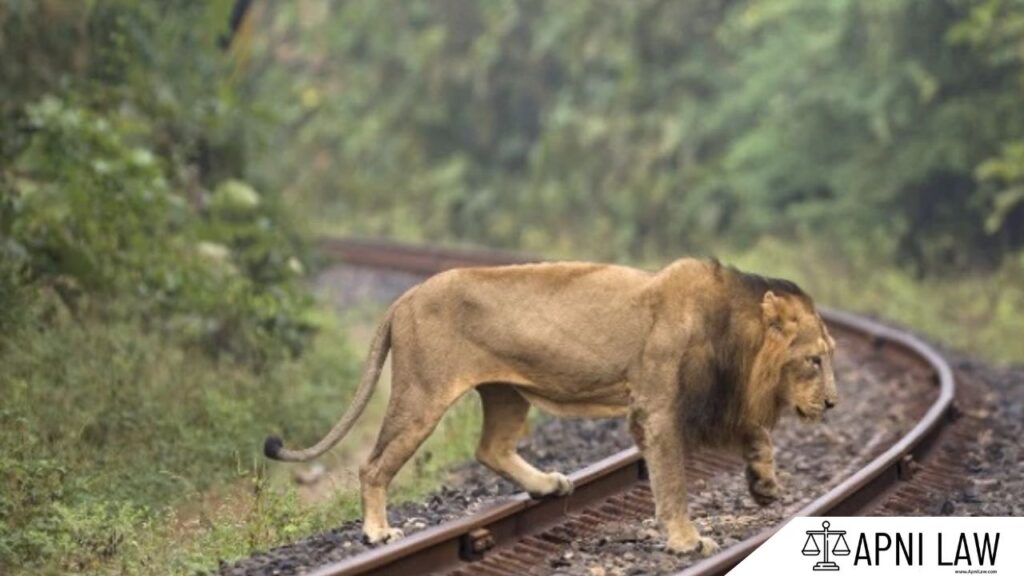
(815, 361)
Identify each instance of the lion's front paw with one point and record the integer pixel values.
(765, 491)
(706, 546)
(382, 536)
(556, 483)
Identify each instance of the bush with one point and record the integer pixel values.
(108, 192)
(96, 220)
(152, 304)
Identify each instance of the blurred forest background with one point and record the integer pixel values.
(161, 182)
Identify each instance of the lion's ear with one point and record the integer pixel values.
(771, 306)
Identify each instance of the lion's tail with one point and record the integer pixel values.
(274, 448)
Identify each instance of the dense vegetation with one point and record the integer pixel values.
(639, 129)
(158, 186)
(152, 307)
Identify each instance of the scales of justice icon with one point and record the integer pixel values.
(838, 549)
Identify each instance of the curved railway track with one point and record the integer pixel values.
(519, 535)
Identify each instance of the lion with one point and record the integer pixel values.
(697, 354)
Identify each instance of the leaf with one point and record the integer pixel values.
(1004, 202)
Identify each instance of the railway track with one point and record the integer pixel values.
(520, 535)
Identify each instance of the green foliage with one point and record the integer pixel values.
(104, 424)
(113, 192)
(152, 305)
(90, 207)
(1006, 173)
(642, 129)
(94, 215)
(995, 30)
(16, 299)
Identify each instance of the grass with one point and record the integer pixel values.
(124, 452)
(105, 425)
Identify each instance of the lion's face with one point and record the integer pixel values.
(806, 380)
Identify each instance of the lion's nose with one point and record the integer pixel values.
(830, 404)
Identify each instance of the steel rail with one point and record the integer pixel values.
(452, 544)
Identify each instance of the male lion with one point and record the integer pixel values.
(697, 354)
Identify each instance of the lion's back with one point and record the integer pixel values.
(571, 313)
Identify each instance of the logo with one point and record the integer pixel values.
(891, 545)
(839, 547)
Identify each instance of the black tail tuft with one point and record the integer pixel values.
(272, 447)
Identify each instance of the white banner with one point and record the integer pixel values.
(880, 546)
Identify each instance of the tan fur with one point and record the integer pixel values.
(696, 354)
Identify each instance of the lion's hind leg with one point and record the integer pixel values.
(505, 412)
(411, 416)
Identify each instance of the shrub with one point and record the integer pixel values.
(97, 220)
